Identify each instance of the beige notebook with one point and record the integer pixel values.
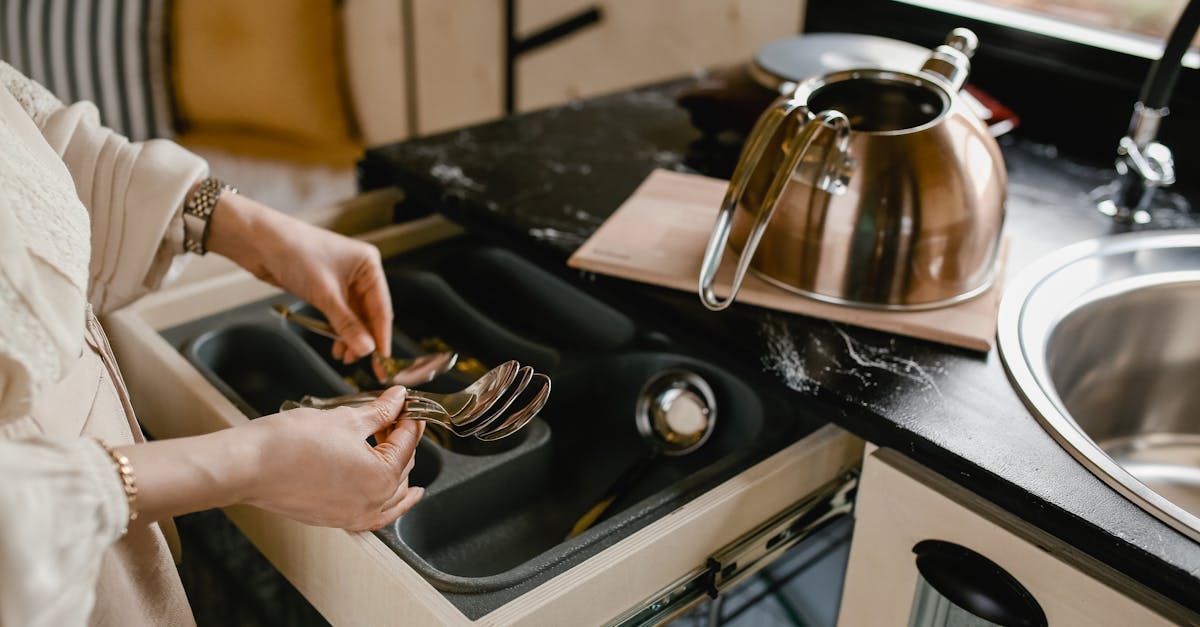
(658, 236)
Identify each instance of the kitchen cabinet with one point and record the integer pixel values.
(548, 179)
(418, 67)
(711, 542)
(901, 505)
(638, 42)
(356, 578)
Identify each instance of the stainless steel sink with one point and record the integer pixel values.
(1102, 340)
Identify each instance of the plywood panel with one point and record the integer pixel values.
(458, 50)
(373, 32)
(639, 41)
(900, 504)
(659, 234)
(607, 584)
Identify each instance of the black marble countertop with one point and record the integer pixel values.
(546, 180)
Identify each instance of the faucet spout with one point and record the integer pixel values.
(1143, 165)
(1160, 82)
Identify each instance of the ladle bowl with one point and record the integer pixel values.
(676, 413)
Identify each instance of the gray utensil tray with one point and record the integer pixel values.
(495, 515)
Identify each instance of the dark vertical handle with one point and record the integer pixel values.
(514, 47)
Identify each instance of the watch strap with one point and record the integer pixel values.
(197, 211)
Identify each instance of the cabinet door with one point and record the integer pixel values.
(903, 507)
(444, 63)
(376, 68)
(417, 67)
(457, 51)
(640, 41)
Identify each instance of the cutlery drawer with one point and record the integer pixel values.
(489, 540)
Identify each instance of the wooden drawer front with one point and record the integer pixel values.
(901, 503)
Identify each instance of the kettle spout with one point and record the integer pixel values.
(951, 61)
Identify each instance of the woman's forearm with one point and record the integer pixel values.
(238, 230)
(341, 276)
(313, 466)
(184, 475)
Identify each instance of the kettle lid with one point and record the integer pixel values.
(794, 59)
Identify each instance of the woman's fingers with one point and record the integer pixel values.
(377, 369)
(377, 306)
(412, 461)
(401, 490)
(389, 515)
(346, 324)
(382, 434)
(370, 486)
(407, 434)
(398, 449)
(404, 496)
(383, 411)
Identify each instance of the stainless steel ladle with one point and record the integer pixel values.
(676, 413)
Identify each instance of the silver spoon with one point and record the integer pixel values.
(486, 432)
(396, 370)
(521, 417)
(463, 407)
(479, 419)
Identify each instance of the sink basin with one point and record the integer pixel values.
(1102, 340)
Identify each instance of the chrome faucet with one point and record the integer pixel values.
(1143, 165)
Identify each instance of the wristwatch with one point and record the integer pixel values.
(197, 211)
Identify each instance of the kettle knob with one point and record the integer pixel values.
(963, 40)
(951, 61)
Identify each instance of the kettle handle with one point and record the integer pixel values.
(760, 136)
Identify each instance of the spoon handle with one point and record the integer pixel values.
(619, 488)
(320, 327)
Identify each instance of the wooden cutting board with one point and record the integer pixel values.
(659, 234)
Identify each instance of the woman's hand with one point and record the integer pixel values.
(317, 468)
(342, 277)
(310, 465)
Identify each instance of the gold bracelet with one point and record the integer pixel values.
(125, 470)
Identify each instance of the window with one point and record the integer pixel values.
(1071, 70)
(1136, 27)
(1151, 18)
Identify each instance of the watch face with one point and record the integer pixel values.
(797, 58)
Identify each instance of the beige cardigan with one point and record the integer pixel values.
(85, 217)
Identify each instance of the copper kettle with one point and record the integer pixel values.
(869, 187)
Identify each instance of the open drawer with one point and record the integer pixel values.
(487, 545)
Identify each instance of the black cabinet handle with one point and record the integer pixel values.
(514, 47)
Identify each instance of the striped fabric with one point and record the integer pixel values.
(112, 52)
